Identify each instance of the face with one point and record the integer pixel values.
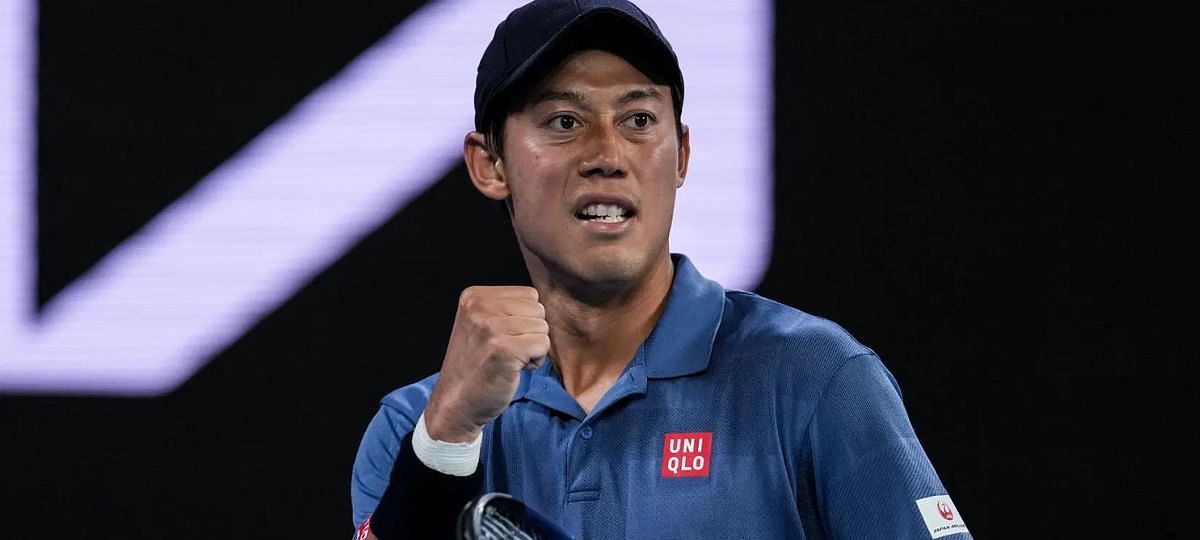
(591, 164)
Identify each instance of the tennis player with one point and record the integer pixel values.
(625, 395)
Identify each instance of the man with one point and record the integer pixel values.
(624, 395)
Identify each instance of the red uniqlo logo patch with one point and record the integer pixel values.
(686, 454)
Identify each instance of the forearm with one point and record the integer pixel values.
(421, 502)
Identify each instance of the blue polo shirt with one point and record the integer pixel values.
(739, 417)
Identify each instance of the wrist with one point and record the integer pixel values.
(453, 458)
(441, 428)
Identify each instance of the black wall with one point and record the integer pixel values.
(972, 190)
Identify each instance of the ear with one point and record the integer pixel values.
(484, 167)
(685, 152)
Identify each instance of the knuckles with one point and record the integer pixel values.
(493, 344)
(469, 298)
(491, 333)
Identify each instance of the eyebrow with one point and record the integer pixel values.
(577, 99)
(641, 93)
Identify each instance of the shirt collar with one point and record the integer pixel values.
(681, 342)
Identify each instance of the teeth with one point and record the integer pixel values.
(605, 212)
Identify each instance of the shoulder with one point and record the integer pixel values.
(408, 401)
(778, 346)
(398, 413)
(762, 325)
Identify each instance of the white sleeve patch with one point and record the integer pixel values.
(941, 516)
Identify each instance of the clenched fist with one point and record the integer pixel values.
(498, 331)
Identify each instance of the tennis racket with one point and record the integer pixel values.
(497, 516)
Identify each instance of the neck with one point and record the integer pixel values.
(594, 336)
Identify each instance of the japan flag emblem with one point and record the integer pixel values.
(945, 510)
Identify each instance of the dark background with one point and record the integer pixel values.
(975, 191)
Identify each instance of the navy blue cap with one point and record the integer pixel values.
(537, 35)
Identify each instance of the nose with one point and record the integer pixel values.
(603, 157)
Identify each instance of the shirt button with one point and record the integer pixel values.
(585, 432)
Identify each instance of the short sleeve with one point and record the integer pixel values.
(870, 470)
(376, 454)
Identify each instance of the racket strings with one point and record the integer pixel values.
(494, 525)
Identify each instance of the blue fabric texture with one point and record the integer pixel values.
(809, 437)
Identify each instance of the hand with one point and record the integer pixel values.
(498, 331)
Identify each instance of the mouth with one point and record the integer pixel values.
(605, 209)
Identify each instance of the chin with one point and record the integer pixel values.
(606, 267)
(598, 275)
(596, 271)
(610, 274)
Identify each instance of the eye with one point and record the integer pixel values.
(563, 122)
(640, 121)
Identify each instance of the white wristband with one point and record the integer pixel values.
(456, 459)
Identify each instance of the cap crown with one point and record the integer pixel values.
(535, 32)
